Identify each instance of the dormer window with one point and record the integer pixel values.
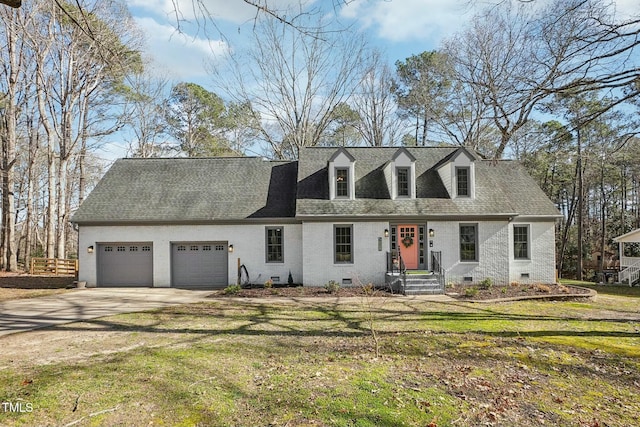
(342, 183)
(462, 182)
(403, 181)
(341, 170)
(400, 174)
(457, 172)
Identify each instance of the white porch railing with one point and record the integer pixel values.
(631, 274)
(628, 261)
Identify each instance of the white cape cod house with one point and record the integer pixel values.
(351, 215)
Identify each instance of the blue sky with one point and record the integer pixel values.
(399, 28)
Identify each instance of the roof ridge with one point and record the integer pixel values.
(191, 158)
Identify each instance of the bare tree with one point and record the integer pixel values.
(293, 81)
(516, 56)
(13, 85)
(379, 124)
(72, 76)
(144, 112)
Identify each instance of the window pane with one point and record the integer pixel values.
(468, 243)
(274, 245)
(462, 175)
(521, 241)
(342, 183)
(343, 244)
(403, 182)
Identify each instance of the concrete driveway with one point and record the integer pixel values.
(82, 304)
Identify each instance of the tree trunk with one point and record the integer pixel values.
(62, 208)
(603, 219)
(9, 146)
(580, 208)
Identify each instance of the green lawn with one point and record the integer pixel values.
(619, 290)
(228, 363)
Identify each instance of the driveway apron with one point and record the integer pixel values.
(82, 304)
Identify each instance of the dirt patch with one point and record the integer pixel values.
(516, 290)
(297, 292)
(7, 294)
(27, 281)
(462, 292)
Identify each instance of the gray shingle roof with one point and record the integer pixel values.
(234, 189)
(191, 190)
(502, 187)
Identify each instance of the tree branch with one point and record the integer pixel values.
(12, 3)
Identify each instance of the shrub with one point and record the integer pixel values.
(542, 288)
(504, 290)
(486, 283)
(471, 292)
(268, 284)
(232, 289)
(368, 289)
(290, 279)
(332, 287)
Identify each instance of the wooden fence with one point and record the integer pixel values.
(54, 266)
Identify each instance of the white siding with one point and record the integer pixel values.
(342, 161)
(447, 174)
(369, 264)
(248, 242)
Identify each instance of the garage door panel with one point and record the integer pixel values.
(199, 265)
(125, 264)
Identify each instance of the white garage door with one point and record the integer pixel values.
(125, 264)
(197, 265)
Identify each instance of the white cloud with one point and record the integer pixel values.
(626, 9)
(183, 56)
(432, 20)
(234, 11)
(409, 20)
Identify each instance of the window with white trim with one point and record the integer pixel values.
(469, 242)
(343, 244)
(521, 242)
(274, 244)
(403, 179)
(463, 184)
(342, 182)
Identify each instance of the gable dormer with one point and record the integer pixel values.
(342, 175)
(400, 174)
(458, 174)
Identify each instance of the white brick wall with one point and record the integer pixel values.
(493, 261)
(496, 258)
(309, 251)
(369, 264)
(248, 242)
(541, 266)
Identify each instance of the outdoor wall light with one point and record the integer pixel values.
(90, 249)
(432, 233)
(386, 232)
(230, 248)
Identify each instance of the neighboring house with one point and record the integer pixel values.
(629, 266)
(335, 214)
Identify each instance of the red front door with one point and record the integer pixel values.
(408, 245)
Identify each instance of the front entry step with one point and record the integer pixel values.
(422, 285)
(415, 284)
